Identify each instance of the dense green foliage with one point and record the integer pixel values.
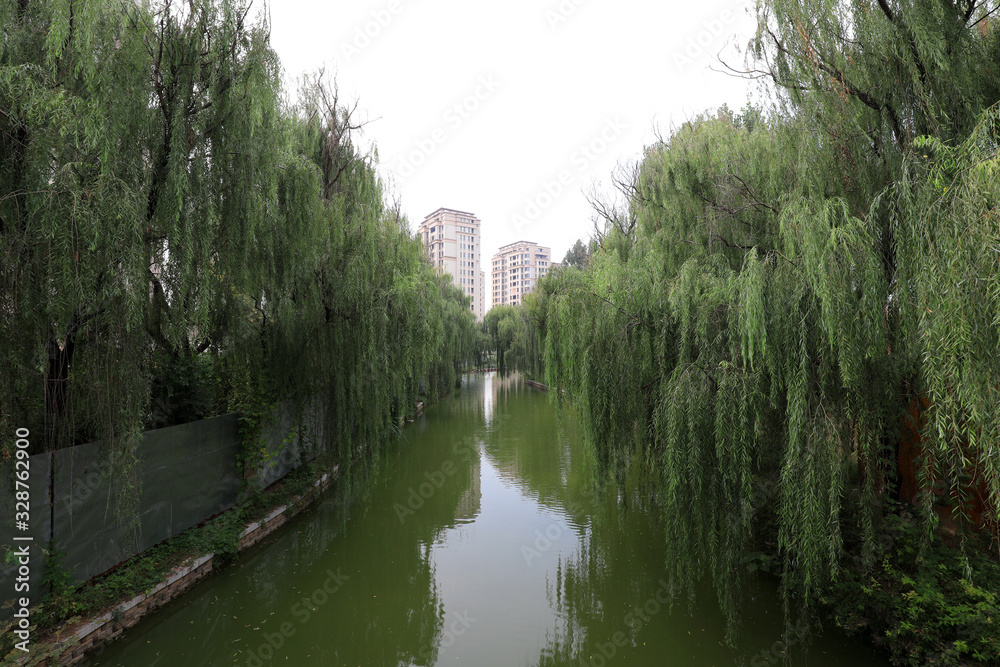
(794, 278)
(578, 255)
(924, 606)
(500, 325)
(512, 337)
(175, 240)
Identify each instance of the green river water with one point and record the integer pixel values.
(480, 540)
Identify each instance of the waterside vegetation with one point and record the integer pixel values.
(791, 319)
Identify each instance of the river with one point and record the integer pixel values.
(480, 539)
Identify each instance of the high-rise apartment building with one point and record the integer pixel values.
(451, 240)
(516, 269)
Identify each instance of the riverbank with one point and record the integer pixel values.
(455, 551)
(73, 622)
(937, 604)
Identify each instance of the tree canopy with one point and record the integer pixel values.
(797, 277)
(177, 241)
(578, 255)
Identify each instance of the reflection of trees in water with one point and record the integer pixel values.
(408, 630)
(388, 611)
(541, 452)
(479, 393)
(389, 619)
(530, 446)
(508, 382)
(595, 589)
(469, 504)
(467, 402)
(397, 630)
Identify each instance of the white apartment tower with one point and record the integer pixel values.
(516, 269)
(451, 240)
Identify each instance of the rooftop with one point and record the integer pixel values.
(516, 243)
(449, 210)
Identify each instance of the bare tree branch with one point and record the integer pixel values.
(618, 213)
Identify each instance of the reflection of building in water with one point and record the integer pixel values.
(469, 504)
(488, 400)
(494, 386)
(499, 384)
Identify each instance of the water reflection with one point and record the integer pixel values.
(488, 400)
(480, 539)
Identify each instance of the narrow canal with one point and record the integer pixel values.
(478, 541)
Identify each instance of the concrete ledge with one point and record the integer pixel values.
(69, 644)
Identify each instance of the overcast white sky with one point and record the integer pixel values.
(513, 110)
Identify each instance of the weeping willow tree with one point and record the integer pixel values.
(950, 279)
(458, 337)
(176, 240)
(512, 335)
(792, 280)
(137, 143)
(500, 326)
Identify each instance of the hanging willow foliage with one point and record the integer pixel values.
(171, 231)
(950, 281)
(795, 278)
(132, 134)
(512, 336)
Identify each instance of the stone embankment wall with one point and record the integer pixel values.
(69, 645)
